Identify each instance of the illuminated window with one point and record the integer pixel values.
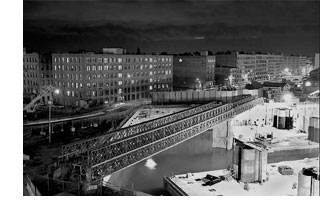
(150, 73)
(120, 83)
(150, 87)
(68, 93)
(120, 75)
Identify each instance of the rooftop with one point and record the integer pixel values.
(276, 185)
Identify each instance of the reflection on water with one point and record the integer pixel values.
(194, 155)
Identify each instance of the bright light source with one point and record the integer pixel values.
(56, 91)
(197, 79)
(308, 83)
(286, 69)
(287, 97)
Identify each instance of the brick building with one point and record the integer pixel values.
(98, 78)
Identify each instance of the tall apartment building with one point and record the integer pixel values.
(98, 78)
(30, 75)
(243, 68)
(294, 64)
(45, 71)
(37, 74)
(193, 72)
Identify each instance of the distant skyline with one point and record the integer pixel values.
(290, 27)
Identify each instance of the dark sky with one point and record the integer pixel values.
(172, 26)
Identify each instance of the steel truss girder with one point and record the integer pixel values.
(116, 156)
(118, 135)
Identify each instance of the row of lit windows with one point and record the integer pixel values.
(30, 59)
(108, 60)
(77, 77)
(126, 67)
(95, 93)
(125, 60)
(107, 84)
(30, 75)
(30, 67)
(30, 82)
(67, 60)
(71, 76)
(67, 68)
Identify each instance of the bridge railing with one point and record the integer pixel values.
(100, 141)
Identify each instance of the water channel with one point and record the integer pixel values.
(194, 155)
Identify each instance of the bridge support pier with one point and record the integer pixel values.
(222, 135)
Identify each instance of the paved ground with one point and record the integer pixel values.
(283, 139)
(276, 185)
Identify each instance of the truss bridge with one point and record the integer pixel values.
(106, 154)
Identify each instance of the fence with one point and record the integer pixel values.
(200, 96)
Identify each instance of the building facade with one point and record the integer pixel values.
(193, 72)
(31, 87)
(95, 79)
(294, 64)
(252, 66)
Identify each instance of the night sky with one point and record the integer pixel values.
(180, 26)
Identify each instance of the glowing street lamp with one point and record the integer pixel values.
(308, 84)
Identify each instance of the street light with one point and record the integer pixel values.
(56, 91)
(308, 84)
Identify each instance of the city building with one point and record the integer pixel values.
(45, 71)
(249, 66)
(275, 90)
(99, 78)
(312, 83)
(228, 77)
(294, 65)
(31, 85)
(193, 72)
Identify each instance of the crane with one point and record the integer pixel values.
(31, 107)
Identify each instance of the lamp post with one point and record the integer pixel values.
(50, 103)
(56, 91)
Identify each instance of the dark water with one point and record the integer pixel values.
(194, 155)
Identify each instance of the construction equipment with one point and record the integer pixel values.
(31, 107)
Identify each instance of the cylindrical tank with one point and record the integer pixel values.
(304, 184)
(311, 129)
(282, 119)
(316, 129)
(247, 165)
